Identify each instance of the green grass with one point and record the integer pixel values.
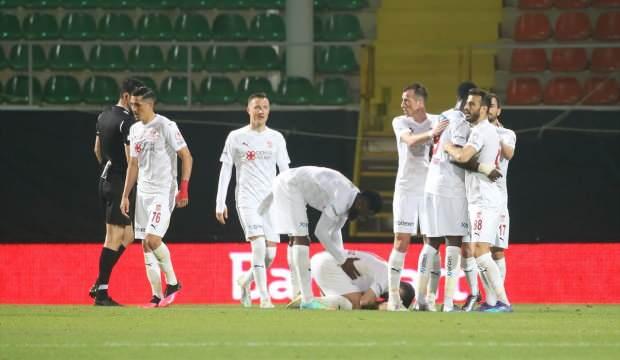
(227, 332)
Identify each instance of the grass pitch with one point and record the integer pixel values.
(230, 332)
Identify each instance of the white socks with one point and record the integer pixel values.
(435, 275)
(259, 252)
(301, 259)
(337, 302)
(489, 272)
(501, 264)
(248, 276)
(163, 256)
(424, 267)
(471, 274)
(453, 255)
(395, 265)
(292, 269)
(153, 273)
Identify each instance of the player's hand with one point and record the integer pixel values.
(494, 175)
(349, 268)
(222, 216)
(439, 127)
(181, 203)
(182, 198)
(125, 206)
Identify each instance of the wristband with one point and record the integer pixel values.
(183, 190)
(486, 168)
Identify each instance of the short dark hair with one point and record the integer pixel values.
(375, 203)
(258, 95)
(418, 89)
(463, 90)
(494, 96)
(485, 99)
(130, 85)
(145, 92)
(407, 293)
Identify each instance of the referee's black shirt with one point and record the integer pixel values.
(113, 129)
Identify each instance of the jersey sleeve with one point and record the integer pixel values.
(174, 137)
(282, 158)
(509, 138)
(475, 140)
(227, 152)
(132, 143)
(400, 128)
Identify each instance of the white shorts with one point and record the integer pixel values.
(407, 209)
(253, 224)
(288, 209)
(503, 230)
(153, 213)
(484, 224)
(444, 216)
(330, 277)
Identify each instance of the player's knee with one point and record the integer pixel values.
(454, 240)
(467, 250)
(497, 253)
(401, 242)
(301, 240)
(259, 251)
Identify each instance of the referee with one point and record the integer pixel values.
(112, 151)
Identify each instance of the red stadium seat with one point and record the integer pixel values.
(605, 59)
(572, 26)
(532, 27)
(571, 4)
(528, 60)
(568, 59)
(601, 91)
(562, 91)
(535, 4)
(606, 3)
(524, 91)
(608, 26)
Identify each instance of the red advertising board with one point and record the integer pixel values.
(62, 274)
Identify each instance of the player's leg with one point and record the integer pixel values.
(339, 291)
(452, 263)
(429, 251)
(502, 239)
(500, 259)
(293, 270)
(259, 253)
(470, 268)
(404, 225)
(433, 283)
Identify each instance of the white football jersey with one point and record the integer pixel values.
(373, 270)
(155, 145)
(480, 190)
(508, 138)
(444, 178)
(255, 156)
(412, 160)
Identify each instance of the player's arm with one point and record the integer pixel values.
(127, 153)
(490, 170)
(221, 211)
(130, 182)
(97, 149)
(283, 160)
(328, 232)
(507, 151)
(186, 172)
(368, 301)
(412, 139)
(460, 155)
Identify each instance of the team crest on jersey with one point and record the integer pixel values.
(250, 155)
(138, 147)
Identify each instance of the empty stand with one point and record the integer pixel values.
(562, 91)
(524, 91)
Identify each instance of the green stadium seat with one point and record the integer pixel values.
(333, 91)
(116, 27)
(217, 90)
(229, 27)
(101, 90)
(177, 58)
(79, 4)
(320, 4)
(18, 58)
(3, 61)
(342, 27)
(62, 89)
(16, 90)
(253, 84)
(318, 29)
(40, 27)
(148, 82)
(222, 59)
(173, 91)
(9, 4)
(107, 58)
(336, 59)
(67, 57)
(154, 27)
(196, 4)
(9, 27)
(41, 4)
(268, 4)
(146, 58)
(350, 5)
(78, 26)
(233, 4)
(192, 27)
(117, 4)
(259, 58)
(267, 27)
(295, 91)
(156, 4)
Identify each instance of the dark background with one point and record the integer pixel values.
(563, 186)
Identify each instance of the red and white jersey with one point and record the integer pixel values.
(155, 145)
(508, 138)
(373, 270)
(444, 178)
(255, 156)
(479, 189)
(412, 160)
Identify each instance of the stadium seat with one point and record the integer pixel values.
(217, 90)
(154, 27)
(78, 26)
(101, 90)
(222, 59)
(568, 59)
(41, 4)
(535, 4)
(318, 29)
(67, 57)
(79, 4)
(605, 59)
(3, 61)
(40, 27)
(229, 27)
(336, 59)
(528, 60)
(572, 26)
(257, 58)
(18, 58)
(571, 4)
(601, 91)
(524, 91)
(117, 4)
(156, 4)
(173, 91)
(16, 90)
(9, 27)
(177, 58)
(62, 89)
(146, 58)
(562, 91)
(148, 82)
(268, 4)
(342, 27)
(107, 58)
(196, 4)
(253, 84)
(295, 91)
(333, 91)
(532, 27)
(320, 4)
(267, 27)
(350, 5)
(9, 4)
(606, 3)
(192, 27)
(116, 27)
(233, 4)
(608, 27)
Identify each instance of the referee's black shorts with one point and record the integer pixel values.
(110, 192)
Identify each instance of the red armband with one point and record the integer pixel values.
(183, 190)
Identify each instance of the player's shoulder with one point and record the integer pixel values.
(275, 133)
(399, 119)
(238, 132)
(506, 132)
